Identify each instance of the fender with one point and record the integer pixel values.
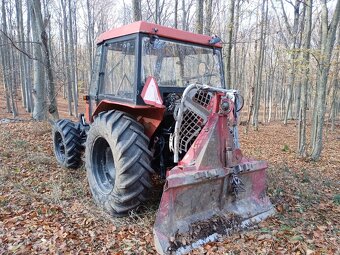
(149, 116)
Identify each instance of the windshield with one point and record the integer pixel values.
(175, 64)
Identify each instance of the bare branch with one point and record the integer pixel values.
(17, 48)
(288, 26)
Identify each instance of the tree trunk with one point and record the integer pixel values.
(176, 14)
(71, 61)
(137, 10)
(39, 111)
(7, 64)
(3, 63)
(63, 61)
(230, 26)
(184, 16)
(46, 58)
(157, 12)
(20, 36)
(199, 16)
(29, 62)
(326, 50)
(335, 86)
(90, 38)
(68, 64)
(208, 17)
(293, 35)
(302, 147)
(3, 50)
(52, 108)
(235, 34)
(258, 85)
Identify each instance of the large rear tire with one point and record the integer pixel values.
(118, 162)
(67, 144)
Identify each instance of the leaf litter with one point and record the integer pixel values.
(45, 209)
(215, 228)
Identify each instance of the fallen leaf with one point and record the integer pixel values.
(265, 236)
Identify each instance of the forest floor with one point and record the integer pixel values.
(45, 209)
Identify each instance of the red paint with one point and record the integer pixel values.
(149, 28)
(87, 111)
(200, 185)
(150, 117)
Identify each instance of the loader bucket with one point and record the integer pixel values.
(214, 190)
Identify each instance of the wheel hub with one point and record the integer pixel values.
(104, 169)
(60, 148)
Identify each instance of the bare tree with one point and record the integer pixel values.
(208, 17)
(137, 10)
(8, 64)
(90, 37)
(235, 34)
(39, 111)
(230, 26)
(302, 150)
(199, 16)
(184, 16)
(335, 86)
(329, 33)
(29, 61)
(67, 57)
(176, 14)
(4, 57)
(71, 60)
(157, 12)
(293, 35)
(20, 36)
(260, 61)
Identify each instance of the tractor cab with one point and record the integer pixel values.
(129, 57)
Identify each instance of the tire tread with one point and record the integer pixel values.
(132, 157)
(72, 143)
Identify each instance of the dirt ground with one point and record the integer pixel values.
(45, 209)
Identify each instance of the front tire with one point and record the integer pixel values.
(67, 144)
(118, 162)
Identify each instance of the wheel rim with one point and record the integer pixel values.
(103, 167)
(59, 146)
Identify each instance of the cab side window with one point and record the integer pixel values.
(119, 70)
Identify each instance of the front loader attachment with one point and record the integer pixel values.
(214, 190)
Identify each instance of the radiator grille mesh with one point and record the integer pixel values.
(202, 97)
(192, 123)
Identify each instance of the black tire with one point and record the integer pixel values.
(67, 144)
(117, 161)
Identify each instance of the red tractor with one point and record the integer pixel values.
(158, 104)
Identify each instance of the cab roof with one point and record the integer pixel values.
(155, 29)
